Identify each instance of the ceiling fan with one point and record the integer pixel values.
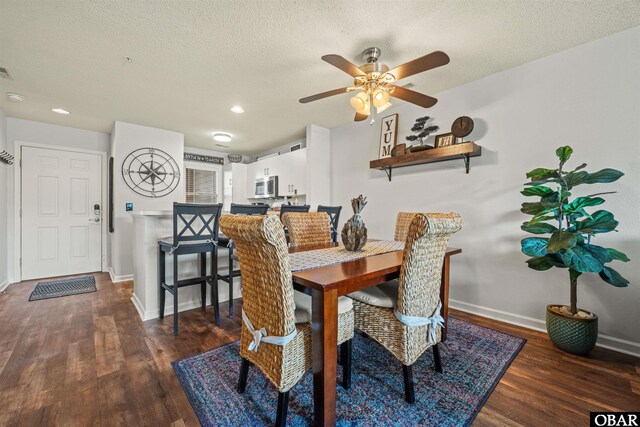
(375, 81)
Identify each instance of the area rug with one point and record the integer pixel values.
(474, 359)
(63, 288)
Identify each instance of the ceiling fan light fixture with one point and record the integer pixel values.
(380, 97)
(383, 107)
(360, 103)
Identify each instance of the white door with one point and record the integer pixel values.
(61, 213)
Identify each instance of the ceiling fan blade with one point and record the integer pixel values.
(418, 65)
(425, 101)
(360, 117)
(324, 95)
(346, 66)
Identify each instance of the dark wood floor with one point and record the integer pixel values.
(90, 360)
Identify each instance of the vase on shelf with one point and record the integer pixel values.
(354, 232)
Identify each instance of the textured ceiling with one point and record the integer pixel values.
(193, 60)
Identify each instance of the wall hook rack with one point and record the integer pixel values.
(7, 158)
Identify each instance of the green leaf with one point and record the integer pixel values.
(600, 253)
(600, 222)
(582, 166)
(618, 255)
(550, 200)
(542, 181)
(580, 260)
(538, 190)
(534, 246)
(538, 228)
(603, 176)
(612, 277)
(561, 240)
(575, 178)
(578, 205)
(564, 153)
(532, 208)
(540, 218)
(542, 173)
(545, 262)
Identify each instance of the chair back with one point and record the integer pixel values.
(249, 209)
(307, 228)
(403, 221)
(293, 208)
(421, 271)
(334, 215)
(267, 288)
(194, 221)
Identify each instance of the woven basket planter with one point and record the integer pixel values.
(572, 334)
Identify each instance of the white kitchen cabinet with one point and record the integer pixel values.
(285, 174)
(299, 171)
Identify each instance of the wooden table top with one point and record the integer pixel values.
(341, 275)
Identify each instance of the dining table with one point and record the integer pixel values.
(325, 284)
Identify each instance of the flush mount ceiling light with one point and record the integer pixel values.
(222, 136)
(15, 97)
(60, 111)
(377, 82)
(237, 109)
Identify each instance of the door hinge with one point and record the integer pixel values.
(20, 262)
(20, 212)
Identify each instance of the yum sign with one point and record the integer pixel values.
(388, 135)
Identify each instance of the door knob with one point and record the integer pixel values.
(95, 220)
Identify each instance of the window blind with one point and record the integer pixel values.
(201, 186)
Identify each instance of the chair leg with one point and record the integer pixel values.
(203, 284)
(175, 295)
(214, 286)
(409, 395)
(283, 405)
(230, 282)
(436, 358)
(346, 351)
(244, 372)
(161, 279)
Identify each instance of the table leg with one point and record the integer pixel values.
(444, 294)
(325, 350)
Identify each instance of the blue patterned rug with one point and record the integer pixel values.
(63, 288)
(474, 359)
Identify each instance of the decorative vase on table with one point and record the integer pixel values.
(354, 233)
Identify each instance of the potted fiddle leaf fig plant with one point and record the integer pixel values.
(565, 234)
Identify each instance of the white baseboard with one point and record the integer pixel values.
(604, 341)
(4, 285)
(153, 313)
(116, 279)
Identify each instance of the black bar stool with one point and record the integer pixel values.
(195, 231)
(334, 216)
(224, 241)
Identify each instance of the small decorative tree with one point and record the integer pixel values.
(420, 131)
(571, 227)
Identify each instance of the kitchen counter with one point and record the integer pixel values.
(148, 228)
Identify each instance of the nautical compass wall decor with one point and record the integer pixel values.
(150, 172)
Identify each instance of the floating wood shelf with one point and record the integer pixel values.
(464, 151)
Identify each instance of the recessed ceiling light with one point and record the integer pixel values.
(15, 97)
(59, 111)
(237, 109)
(222, 137)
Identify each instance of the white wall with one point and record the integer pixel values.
(4, 261)
(587, 97)
(27, 131)
(126, 138)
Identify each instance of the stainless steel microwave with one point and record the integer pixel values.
(266, 187)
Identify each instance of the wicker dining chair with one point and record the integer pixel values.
(307, 229)
(224, 242)
(403, 221)
(404, 315)
(276, 328)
